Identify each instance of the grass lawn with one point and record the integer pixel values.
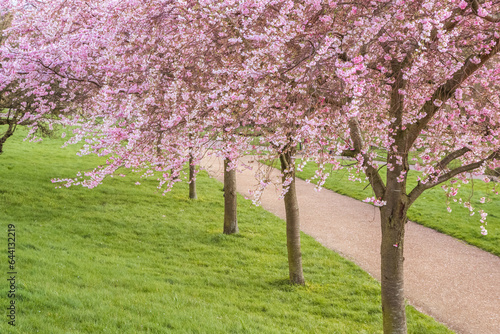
(430, 209)
(122, 258)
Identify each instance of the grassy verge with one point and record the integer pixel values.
(123, 259)
(430, 209)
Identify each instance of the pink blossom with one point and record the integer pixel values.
(482, 12)
(438, 103)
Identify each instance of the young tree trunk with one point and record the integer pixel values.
(393, 221)
(230, 200)
(292, 222)
(192, 181)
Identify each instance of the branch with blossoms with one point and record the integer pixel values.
(436, 178)
(447, 89)
(67, 77)
(372, 172)
(480, 11)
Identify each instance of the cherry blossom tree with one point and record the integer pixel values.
(425, 91)
(21, 98)
(417, 76)
(67, 40)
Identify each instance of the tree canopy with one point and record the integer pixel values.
(145, 82)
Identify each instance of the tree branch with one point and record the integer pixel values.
(421, 187)
(446, 90)
(286, 70)
(372, 173)
(452, 156)
(6, 135)
(66, 77)
(490, 17)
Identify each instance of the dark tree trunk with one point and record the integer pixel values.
(230, 200)
(192, 181)
(292, 222)
(393, 219)
(10, 131)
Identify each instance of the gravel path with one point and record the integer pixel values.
(457, 284)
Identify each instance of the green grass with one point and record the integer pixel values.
(122, 258)
(430, 209)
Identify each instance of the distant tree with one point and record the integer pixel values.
(14, 103)
(32, 95)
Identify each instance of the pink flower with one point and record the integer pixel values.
(383, 39)
(357, 59)
(438, 103)
(462, 4)
(482, 12)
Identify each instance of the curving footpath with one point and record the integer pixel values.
(455, 283)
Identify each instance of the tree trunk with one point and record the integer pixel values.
(292, 221)
(230, 200)
(393, 221)
(192, 181)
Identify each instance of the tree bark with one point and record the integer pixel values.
(393, 220)
(292, 221)
(192, 181)
(230, 200)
